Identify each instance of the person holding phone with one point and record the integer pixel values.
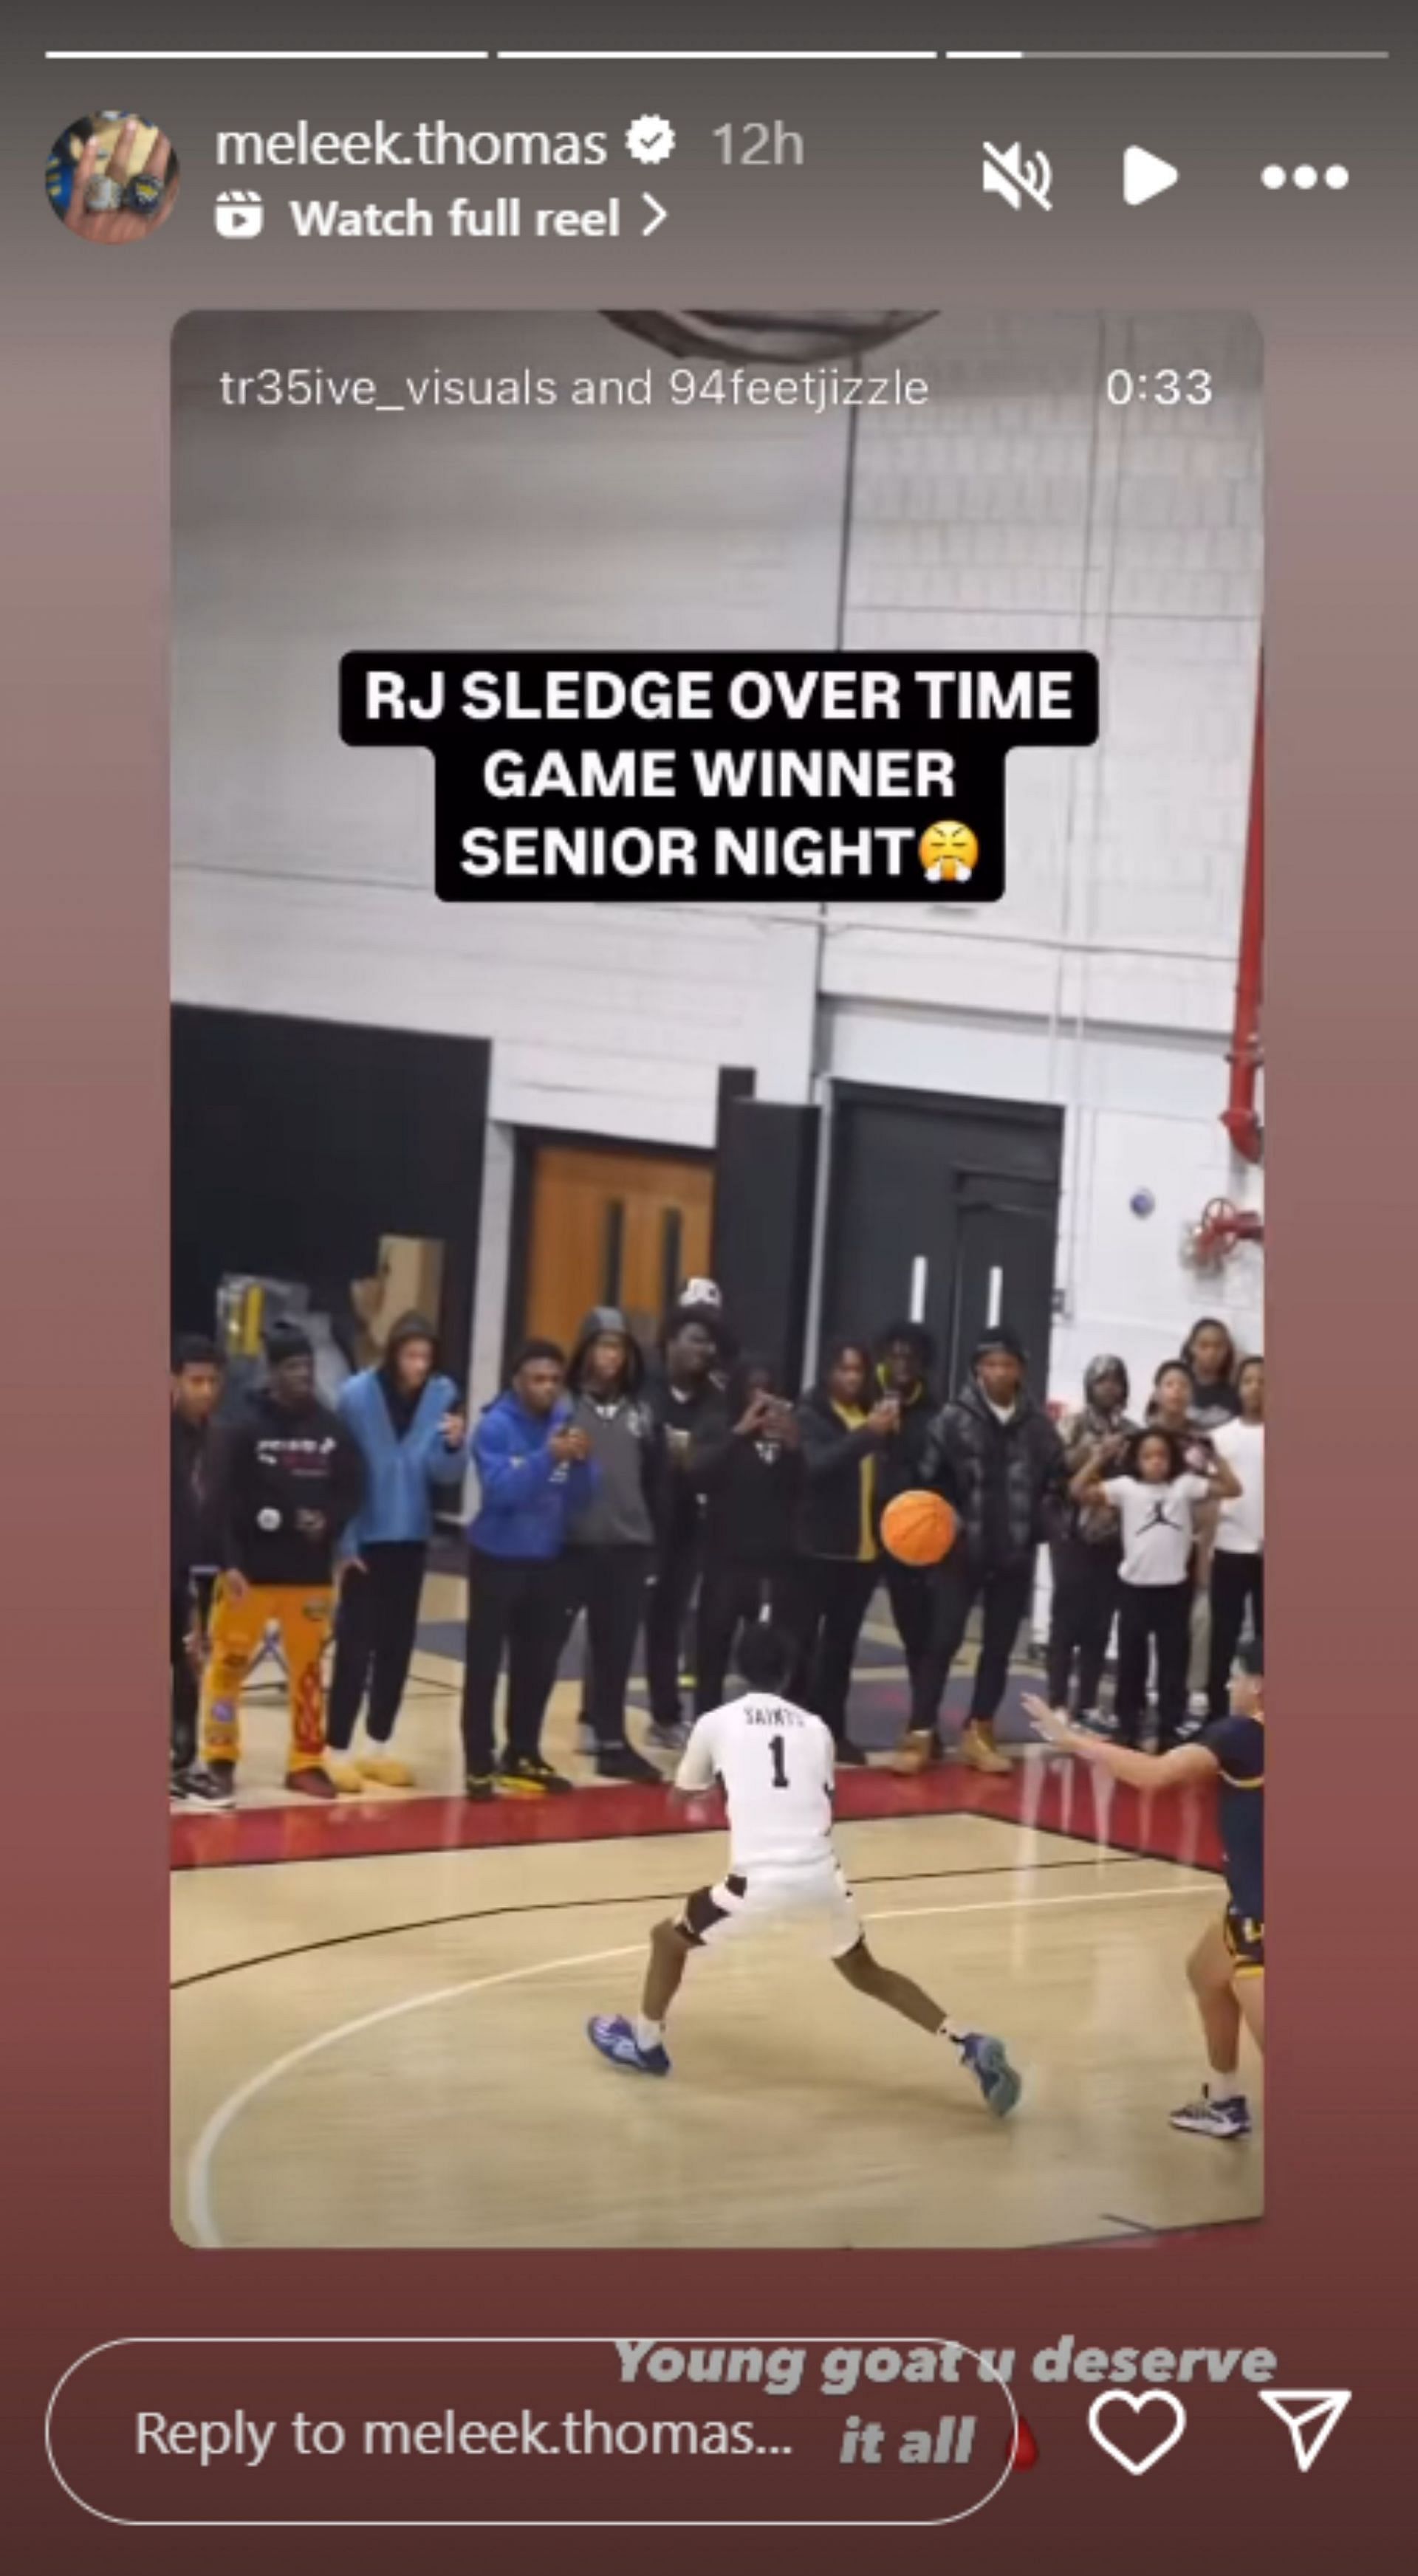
(1187, 1410)
(534, 1471)
(1087, 1552)
(905, 1356)
(843, 1428)
(748, 1464)
(686, 1396)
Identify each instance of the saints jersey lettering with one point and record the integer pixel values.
(776, 1765)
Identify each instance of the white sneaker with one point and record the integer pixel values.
(1227, 2116)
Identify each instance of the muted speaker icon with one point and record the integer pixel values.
(1007, 174)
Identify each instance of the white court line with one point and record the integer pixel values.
(199, 2162)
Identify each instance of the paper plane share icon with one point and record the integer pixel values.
(1309, 2416)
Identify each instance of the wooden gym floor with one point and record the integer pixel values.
(390, 2051)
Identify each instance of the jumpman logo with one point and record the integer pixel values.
(1159, 1520)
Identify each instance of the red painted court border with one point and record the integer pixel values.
(1054, 1799)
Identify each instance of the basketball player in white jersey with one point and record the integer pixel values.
(775, 1763)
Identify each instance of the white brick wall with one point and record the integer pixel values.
(1024, 510)
(1020, 510)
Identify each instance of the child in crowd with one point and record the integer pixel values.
(1157, 1497)
(1238, 1560)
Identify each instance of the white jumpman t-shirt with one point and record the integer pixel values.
(1159, 1525)
(777, 1766)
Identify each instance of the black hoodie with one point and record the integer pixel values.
(627, 1445)
(686, 1416)
(199, 1533)
(1005, 1479)
(1083, 1435)
(285, 1461)
(837, 1514)
(752, 1484)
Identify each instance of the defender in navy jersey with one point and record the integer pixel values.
(775, 1764)
(1227, 1967)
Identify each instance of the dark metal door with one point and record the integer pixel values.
(1004, 1268)
(944, 1211)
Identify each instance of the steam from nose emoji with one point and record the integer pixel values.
(948, 852)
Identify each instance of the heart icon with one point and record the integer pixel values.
(1159, 2450)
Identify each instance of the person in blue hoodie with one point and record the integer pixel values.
(535, 1472)
(408, 1425)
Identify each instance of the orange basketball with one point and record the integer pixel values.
(919, 1528)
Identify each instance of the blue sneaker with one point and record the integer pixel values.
(986, 2060)
(615, 2037)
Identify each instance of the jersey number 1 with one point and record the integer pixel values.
(780, 1766)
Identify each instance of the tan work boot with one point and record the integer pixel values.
(386, 1770)
(342, 1775)
(915, 1753)
(978, 1747)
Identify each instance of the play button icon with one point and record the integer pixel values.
(1145, 175)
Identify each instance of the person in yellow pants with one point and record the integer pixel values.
(242, 1612)
(294, 1479)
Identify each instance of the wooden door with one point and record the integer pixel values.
(613, 1229)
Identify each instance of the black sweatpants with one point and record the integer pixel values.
(608, 1583)
(514, 1603)
(827, 1600)
(191, 1605)
(666, 1612)
(1085, 1605)
(1146, 1611)
(375, 1626)
(730, 1591)
(1237, 1582)
(1004, 1598)
(909, 1590)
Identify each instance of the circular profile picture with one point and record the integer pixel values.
(112, 177)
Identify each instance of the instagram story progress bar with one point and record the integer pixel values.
(709, 54)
